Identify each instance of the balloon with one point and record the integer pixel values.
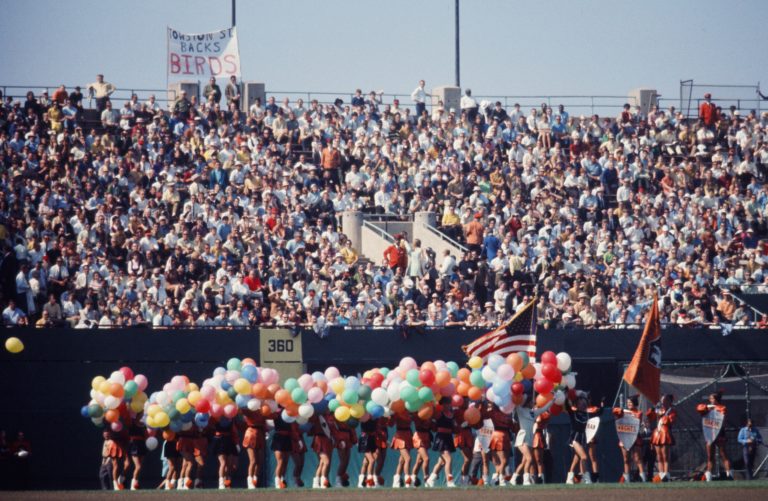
(349, 396)
(559, 397)
(142, 381)
(203, 406)
(306, 410)
(425, 394)
(463, 389)
(543, 385)
(234, 364)
(475, 362)
(341, 414)
(426, 412)
(528, 371)
(515, 361)
(314, 395)
(488, 373)
(111, 416)
(130, 389)
(379, 396)
(242, 386)
(374, 409)
(505, 372)
(551, 372)
(472, 415)
(457, 401)
(494, 361)
(427, 377)
(543, 399)
(356, 411)
(290, 384)
(183, 406)
(151, 443)
(97, 382)
(517, 399)
(127, 372)
(331, 373)
(376, 380)
(412, 376)
(250, 373)
(407, 364)
(453, 368)
(111, 402)
(570, 381)
(409, 394)
(337, 385)
(475, 393)
(116, 426)
(298, 395)
(364, 392)
(306, 382)
(117, 377)
(518, 388)
(563, 362)
(525, 359)
(476, 378)
(463, 374)
(549, 357)
(555, 409)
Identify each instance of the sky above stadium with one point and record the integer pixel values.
(553, 47)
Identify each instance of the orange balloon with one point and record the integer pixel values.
(463, 389)
(169, 435)
(463, 375)
(515, 361)
(475, 393)
(472, 415)
(398, 406)
(292, 410)
(116, 390)
(426, 412)
(248, 361)
(323, 385)
(529, 371)
(283, 398)
(265, 410)
(273, 389)
(111, 416)
(442, 378)
(428, 366)
(259, 390)
(543, 399)
(517, 399)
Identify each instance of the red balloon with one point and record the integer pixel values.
(457, 401)
(543, 385)
(203, 406)
(518, 388)
(127, 372)
(549, 357)
(375, 380)
(551, 372)
(427, 377)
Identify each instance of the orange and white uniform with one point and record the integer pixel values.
(382, 434)
(503, 428)
(422, 436)
(255, 432)
(662, 433)
(118, 443)
(463, 438)
(704, 409)
(321, 443)
(403, 438)
(540, 431)
(619, 413)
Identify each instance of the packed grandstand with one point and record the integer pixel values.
(198, 214)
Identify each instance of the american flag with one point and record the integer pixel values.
(518, 334)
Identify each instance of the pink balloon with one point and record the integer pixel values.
(457, 400)
(230, 410)
(314, 395)
(332, 373)
(116, 426)
(208, 392)
(141, 381)
(408, 363)
(127, 372)
(179, 382)
(448, 390)
(505, 372)
(216, 410)
(306, 382)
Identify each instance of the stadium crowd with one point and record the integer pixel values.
(205, 215)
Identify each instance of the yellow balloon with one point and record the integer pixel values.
(194, 397)
(154, 410)
(192, 387)
(96, 383)
(151, 422)
(182, 405)
(14, 345)
(356, 411)
(475, 362)
(242, 386)
(222, 397)
(337, 385)
(518, 377)
(162, 420)
(136, 405)
(104, 387)
(341, 413)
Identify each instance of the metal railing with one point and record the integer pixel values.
(165, 97)
(379, 231)
(445, 237)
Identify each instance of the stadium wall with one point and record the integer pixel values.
(43, 387)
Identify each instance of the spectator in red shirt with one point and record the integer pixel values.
(708, 111)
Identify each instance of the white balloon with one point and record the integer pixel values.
(151, 443)
(111, 402)
(287, 417)
(393, 392)
(559, 397)
(306, 411)
(488, 373)
(253, 404)
(117, 377)
(563, 362)
(301, 420)
(570, 381)
(379, 396)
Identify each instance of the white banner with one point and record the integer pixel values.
(484, 434)
(627, 428)
(711, 424)
(199, 56)
(592, 426)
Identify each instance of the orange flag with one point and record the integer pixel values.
(644, 371)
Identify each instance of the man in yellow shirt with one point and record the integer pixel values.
(451, 224)
(101, 90)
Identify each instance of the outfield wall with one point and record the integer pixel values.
(43, 388)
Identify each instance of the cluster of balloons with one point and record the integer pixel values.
(379, 392)
(116, 399)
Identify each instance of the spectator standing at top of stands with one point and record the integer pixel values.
(101, 90)
(212, 92)
(60, 95)
(708, 111)
(330, 160)
(469, 105)
(110, 117)
(419, 96)
(182, 104)
(76, 98)
(473, 233)
(232, 93)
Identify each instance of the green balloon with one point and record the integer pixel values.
(173, 414)
(409, 394)
(384, 371)
(364, 392)
(130, 389)
(453, 368)
(525, 358)
(349, 397)
(299, 395)
(178, 395)
(476, 378)
(425, 394)
(333, 405)
(95, 411)
(412, 376)
(412, 406)
(232, 393)
(234, 364)
(291, 384)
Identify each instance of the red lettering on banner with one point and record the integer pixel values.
(215, 65)
(232, 61)
(186, 64)
(175, 63)
(199, 65)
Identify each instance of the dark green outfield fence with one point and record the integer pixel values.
(43, 388)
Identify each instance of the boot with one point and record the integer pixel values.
(324, 483)
(708, 476)
(569, 478)
(135, 485)
(587, 478)
(431, 480)
(513, 480)
(527, 479)
(361, 481)
(449, 481)
(396, 482)
(643, 478)
(251, 482)
(626, 478)
(221, 483)
(315, 483)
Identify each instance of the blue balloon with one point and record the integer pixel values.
(501, 389)
(250, 373)
(219, 371)
(494, 361)
(318, 376)
(84, 411)
(527, 386)
(175, 426)
(225, 386)
(352, 383)
(306, 427)
(321, 406)
(188, 417)
(242, 400)
(201, 420)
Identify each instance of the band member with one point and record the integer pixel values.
(500, 445)
(579, 414)
(422, 441)
(344, 438)
(715, 402)
(282, 447)
(526, 418)
(173, 458)
(193, 447)
(224, 444)
(369, 446)
(322, 444)
(540, 445)
(661, 439)
(464, 440)
(254, 443)
(298, 452)
(382, 442)
(443, 443)
(115, 444)
(592, 444)
(403, 443)
(137, 449)
(634, 452)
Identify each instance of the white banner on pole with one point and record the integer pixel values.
(199, 56)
